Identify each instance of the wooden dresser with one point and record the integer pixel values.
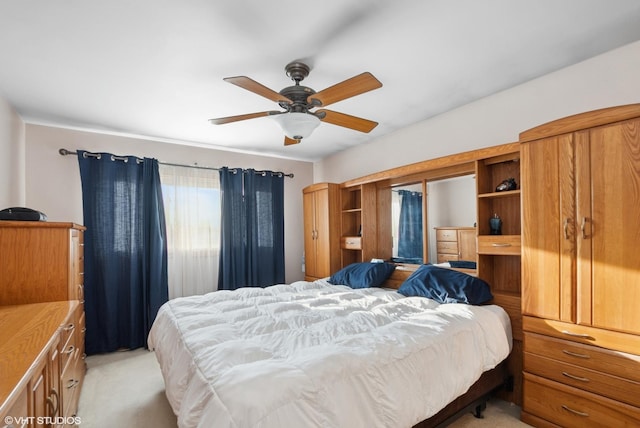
(456, 243)
(44, 262)
(40, 367)
(581, 270)
(41, 262)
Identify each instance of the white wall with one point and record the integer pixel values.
(607, 80)
(53, 181)
(12, 162)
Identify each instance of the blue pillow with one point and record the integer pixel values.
(446, 286)
(363, 275)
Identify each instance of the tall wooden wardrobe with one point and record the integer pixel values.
(581, 270)
(321, 230)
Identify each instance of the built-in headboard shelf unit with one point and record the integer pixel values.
(499, 261)
(359, 223)
(365, 219)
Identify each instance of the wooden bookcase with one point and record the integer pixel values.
(358, 223)
(499, 260)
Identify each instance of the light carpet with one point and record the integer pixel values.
(125, 389)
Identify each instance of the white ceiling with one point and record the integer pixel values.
(154, 68)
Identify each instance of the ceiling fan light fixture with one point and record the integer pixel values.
(297, 125)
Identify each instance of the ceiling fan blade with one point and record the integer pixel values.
(357, 85)
(229, 119)
(289, 141)
(257, 88)
(346, 120)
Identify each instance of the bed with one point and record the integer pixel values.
(321, 354)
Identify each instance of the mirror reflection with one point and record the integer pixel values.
(406, 220)
(450, 221)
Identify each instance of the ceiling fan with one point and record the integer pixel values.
(297, 120)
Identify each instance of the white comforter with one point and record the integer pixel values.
(321, 355)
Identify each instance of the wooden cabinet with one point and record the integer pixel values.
(358, 224)
(31, 346)
(499, 255)
(40, 262)
(44, 262)
(581, 271)
(455, 243)
(321, 230)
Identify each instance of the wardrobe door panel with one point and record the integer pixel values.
(309, 234)
(541, 229)
(614, 229)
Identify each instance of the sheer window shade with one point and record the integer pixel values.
(192, 210)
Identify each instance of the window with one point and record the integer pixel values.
(192, 213)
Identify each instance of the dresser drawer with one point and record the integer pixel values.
(499, 244)
(351, 243)
(571, 407)
(71, 381)
(591, 357)
(586, 379)
(447, 247)
(66, 332)
(591, 336)
(442, 258)
(446, 235)
(67, 350)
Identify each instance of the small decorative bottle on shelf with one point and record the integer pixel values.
(495, 224)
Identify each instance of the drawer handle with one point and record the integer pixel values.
(575, 412)
(69, 327)
(570, 376)
(72, 383)
(565, 227)
(55, 406)
(70, 350)
(581, 335)
(501, 244)
(575, 354)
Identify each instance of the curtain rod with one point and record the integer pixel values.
(65, 152)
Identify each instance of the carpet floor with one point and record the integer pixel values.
(125, 389)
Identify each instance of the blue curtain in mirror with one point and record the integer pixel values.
(410, 227)
(252, 241)
(125, 254)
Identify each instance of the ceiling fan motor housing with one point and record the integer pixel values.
(297, 71)
(298, 95)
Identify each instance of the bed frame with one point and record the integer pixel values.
(475, 399)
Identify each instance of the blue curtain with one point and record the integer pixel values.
(410, 230)
(125, 255)
(252, 232)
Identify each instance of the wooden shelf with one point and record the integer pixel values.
(504, 194)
